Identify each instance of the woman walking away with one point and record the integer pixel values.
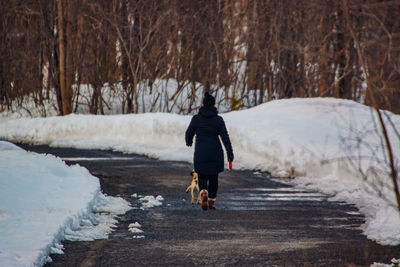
(208, 154)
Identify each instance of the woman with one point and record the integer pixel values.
(208, 154)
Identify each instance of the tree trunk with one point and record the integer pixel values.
(65, 83)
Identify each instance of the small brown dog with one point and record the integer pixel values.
(194, 186)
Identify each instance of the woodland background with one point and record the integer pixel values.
(249, 52)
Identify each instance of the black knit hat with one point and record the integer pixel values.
(208, 100)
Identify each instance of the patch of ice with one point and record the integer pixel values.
(135, 228)
(150, 201)
(136, 224)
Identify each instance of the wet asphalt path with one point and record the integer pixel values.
(259, 221)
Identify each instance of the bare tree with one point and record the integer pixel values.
(250, 52)
(369, 79)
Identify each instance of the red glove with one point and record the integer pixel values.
(230, 164)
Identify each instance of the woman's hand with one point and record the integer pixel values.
(230, 156)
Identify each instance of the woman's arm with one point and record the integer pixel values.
(190, 132)
(225, 139)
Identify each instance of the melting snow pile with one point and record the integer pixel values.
(43, 201)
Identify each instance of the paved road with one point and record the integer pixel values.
(259, 221)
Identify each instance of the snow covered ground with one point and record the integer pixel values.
(162, 97)
(330, 145)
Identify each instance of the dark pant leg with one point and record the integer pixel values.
(203, 179)
(212, 185)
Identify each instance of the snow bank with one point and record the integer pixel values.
(43, 201)
(328, 144)
(152, 134)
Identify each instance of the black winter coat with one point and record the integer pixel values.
(208, 154)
